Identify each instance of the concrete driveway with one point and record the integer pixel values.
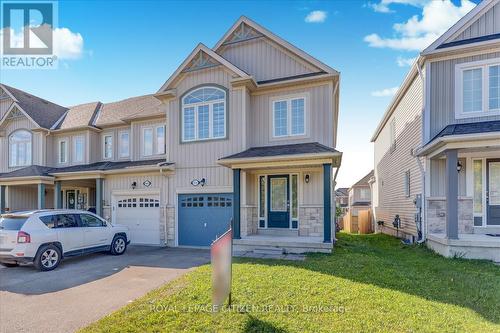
(82, 290)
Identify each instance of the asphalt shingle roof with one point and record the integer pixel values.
(79, 115)
(141, 106)
(292, 149)
(43, 112)
(470, 128)
(365, 179)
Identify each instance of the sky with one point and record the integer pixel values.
(111, 50)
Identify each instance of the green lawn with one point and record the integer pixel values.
(371, 283)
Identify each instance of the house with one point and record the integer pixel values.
(342, 199)
(244, 132)
(360, 195)
(437, 147)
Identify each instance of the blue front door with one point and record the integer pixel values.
(203, 217)
(278, 203)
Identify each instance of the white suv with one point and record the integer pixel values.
(44, 237)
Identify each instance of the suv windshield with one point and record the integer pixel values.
(12, 223)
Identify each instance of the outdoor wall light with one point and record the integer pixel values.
(196, 182)
(459, 166)
(134, 185)
(307, 178)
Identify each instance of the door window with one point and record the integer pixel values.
(66, 221)
(90, 221)
(494, 183)
(278, 194)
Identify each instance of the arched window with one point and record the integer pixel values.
(204, 114)
(20, 148)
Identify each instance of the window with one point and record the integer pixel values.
(108, 146)
(393, 134)
(147, 142)
(407, 183)
(63, 151)
(289, 117)
(49, 221)
(78, 149)
(20, 148)
(262, 201)
(478, 191)
(160, 140)
(364, 194)
(66, 221)
(477, 88)
(90, 221)
(12, 223)
(124, 144)
(295, 206)
(204, 114)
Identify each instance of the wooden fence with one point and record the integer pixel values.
(361, 223)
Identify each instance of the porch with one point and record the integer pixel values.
(283, 198)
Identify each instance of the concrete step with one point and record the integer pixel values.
(278, 232)
(269, 250)
(487, 230)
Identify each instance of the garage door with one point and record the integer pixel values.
(141, 214)
(203, 217)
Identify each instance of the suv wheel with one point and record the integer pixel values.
(48, 258)
(118, 246)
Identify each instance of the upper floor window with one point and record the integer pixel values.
(78, 149)
(153, 140)
(124, 144)
(477, 88)
(20, 148)
(204, 114)
(289, 117)
(63, 151)
(108, 146)
(364, 194)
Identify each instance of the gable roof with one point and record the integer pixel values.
(460, 25)
(202, 48)
(116, 113)
(280, 150)
(342, 191)
(44, 113)
(79, 116)
(364, 181)
(280, 41)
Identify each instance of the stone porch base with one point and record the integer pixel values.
(282, 244)
(469, 246)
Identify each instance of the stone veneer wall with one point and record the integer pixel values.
(170, 220)
(311, 221)
(249, 220)
(436, 216)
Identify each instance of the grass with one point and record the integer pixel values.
(371, 283)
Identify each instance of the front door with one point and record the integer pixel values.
(493, 192)
(278, 202)
(70, 200)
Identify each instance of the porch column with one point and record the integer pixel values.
(2, 199)
(98, 196)
(327, 208)
(41, 196)
(451, 191)
(57, 195)
(236, 203)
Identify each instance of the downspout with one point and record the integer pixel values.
(423, 221)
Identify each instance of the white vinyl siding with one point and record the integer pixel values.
(78, 149)
(289, 117)
(124, 144)
(477, 88)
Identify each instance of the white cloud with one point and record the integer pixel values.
(383, 5)
(418, 32)
(316, 16)
(385, 92)
(403, 62)
(66, 44)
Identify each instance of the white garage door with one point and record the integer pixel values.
(142, 216)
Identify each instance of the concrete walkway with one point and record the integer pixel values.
(83, 290)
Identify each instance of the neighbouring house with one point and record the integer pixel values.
(342, 199)
(245, 131)
(437, 147)
(360, 195)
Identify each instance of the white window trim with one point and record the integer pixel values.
(210, 116)
(156, 142)
(103, 138)
(459, 69)
(59, 161)
(30, 162)
(288, 99)
(127, 155)
(75, 138)
(143, 142)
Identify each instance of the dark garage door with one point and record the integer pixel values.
(203, 217)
